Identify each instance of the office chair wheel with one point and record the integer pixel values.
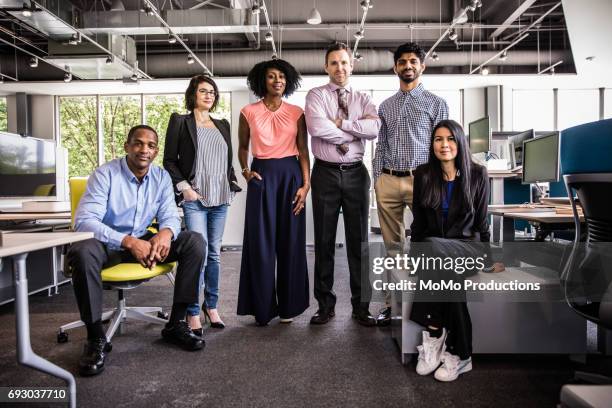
(163, 315)
(62, 337)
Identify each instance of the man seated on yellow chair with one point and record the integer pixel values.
(122, 198)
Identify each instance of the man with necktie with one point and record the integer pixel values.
(340, 120)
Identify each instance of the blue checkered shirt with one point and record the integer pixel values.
(408, 118)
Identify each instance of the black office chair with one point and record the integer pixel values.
(587, 276)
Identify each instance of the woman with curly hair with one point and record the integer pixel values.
(274, 274)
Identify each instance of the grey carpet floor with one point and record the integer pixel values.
(340, 364)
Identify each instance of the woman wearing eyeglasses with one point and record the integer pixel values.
(198, 156)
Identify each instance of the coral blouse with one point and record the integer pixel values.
(273, 134)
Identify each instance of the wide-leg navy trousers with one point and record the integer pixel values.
(273, 274)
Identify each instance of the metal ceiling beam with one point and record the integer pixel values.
(178, 38)
(538, 21)
(521, 38)
(512, 17)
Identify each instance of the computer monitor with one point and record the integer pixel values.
(516, 146)
(27, 166)
(480, 135)
(541, 159)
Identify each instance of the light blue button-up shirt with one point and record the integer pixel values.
(116, 204)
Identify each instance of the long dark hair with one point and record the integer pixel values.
(433, 181)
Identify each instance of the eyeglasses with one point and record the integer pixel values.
(209, 93)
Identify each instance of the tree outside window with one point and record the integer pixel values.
(78, 133)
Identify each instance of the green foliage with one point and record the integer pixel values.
(78, 133)
(119, 113)
(3, 115)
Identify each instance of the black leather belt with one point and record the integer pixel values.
(339, 166)
(403, 173)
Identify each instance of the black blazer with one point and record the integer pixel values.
(180, 150)
(472, 225)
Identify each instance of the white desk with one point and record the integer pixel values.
(17, 247)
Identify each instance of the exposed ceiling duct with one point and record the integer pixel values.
(198, 21)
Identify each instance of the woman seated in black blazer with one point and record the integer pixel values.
(451, 194)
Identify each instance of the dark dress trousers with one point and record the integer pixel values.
(181, 146)
(335, 188)
(461, 233)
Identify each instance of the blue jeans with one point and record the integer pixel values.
(210, 222)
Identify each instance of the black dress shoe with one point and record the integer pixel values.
(322, 316)
(384, 317)
(180, 334)
(198, 332)
(364, 318)
(94, 353)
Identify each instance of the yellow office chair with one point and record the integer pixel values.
(120, 277)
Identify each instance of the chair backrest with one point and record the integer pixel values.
(584, 149)
(77, 189)
(587, 173)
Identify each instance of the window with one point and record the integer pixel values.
(608, 104)
(577, 106)
(158, 109)
(78, 133)
(3, 116)
(119, 114)
(453, 100)
(533, 109)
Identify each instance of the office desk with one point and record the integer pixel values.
(22, 216)
(497, 196)
(17, 247)
(548, 218)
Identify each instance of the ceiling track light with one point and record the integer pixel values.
(27, 11)
(484, 71)
(75, 39)
(171, 39)
(190, 59)
(269, 36)
(109, 60)
(274, 56)
(435, 56)
(452, 35)
(33, 62)
(358, 57)
(134, 77)
(148, 11)
(359, 34)
(504, 56)
(68, 74)
(256, 9)
(365, 4)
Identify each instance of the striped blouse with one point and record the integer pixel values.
(211, 168)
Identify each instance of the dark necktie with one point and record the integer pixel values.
(342, 114)
(343, 103)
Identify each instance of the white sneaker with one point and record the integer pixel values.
(286, 321)
(452, 367)
(430, 352)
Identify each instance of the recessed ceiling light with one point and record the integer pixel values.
(590, 58)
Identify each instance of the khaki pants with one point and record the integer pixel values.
(393, 194)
